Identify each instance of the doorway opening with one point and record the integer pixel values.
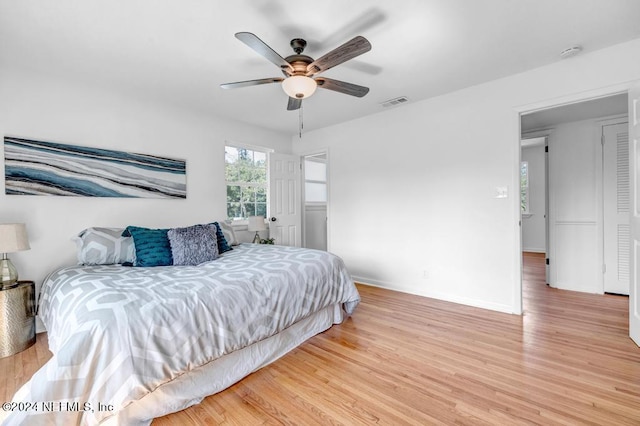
(315, 201)
(534, 198)
(572, 226)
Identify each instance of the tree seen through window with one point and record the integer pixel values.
(246, 177)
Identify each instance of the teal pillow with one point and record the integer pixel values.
(152, 246)
(223, 244)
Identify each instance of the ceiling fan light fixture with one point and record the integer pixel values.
(299, 86)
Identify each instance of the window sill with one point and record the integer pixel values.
(238, 225)
(242, 225)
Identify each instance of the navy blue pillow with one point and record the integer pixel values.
(152, 246)
(223, 245)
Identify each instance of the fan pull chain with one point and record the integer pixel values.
(301, 125)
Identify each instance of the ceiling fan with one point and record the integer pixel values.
(300, 71)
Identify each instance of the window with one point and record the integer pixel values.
(524, 187)
(246, 178)
(315, 180)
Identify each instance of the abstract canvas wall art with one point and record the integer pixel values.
(47, 168)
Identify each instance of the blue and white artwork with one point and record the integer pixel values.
(47, 168)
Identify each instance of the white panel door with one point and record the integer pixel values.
(634, 168)
(575, 261)
(615, 143)
(285, 221)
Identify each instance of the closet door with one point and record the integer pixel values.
(616, 209)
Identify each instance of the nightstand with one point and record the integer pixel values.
(17, 318)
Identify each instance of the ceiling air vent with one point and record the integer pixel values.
(395, 101)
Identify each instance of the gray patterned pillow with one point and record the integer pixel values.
(193, 245)
(104, 246)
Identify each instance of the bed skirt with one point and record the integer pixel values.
(192, 387)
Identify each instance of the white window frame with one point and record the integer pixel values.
(323, 182)
(253, 148)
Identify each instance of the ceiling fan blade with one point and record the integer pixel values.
(354, 47)
(342, 87)
(263, 49)
(248, 83)
(294, 104)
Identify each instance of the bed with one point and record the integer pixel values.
(133, 343)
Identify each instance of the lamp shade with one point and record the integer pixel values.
(299, 86)
(256, 223)
(13, 237)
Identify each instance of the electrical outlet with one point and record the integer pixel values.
(425, 274)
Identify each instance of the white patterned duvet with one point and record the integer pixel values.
(120, 334)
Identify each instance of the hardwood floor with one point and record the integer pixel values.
(404, 359)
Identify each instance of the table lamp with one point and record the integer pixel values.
(256, 223)
(13, 237)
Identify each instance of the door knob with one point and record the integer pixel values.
(273, 219)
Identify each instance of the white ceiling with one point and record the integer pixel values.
(181, 51)
(596, 108)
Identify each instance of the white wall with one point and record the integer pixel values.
(413, 188)
(34, 106)
(533, 225)
(415, 207)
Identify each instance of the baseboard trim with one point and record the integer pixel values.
(534, 250)
(507, 309)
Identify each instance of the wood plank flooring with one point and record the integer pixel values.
(404, 359)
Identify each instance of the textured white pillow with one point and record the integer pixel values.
(229, 233)
(104, 246)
